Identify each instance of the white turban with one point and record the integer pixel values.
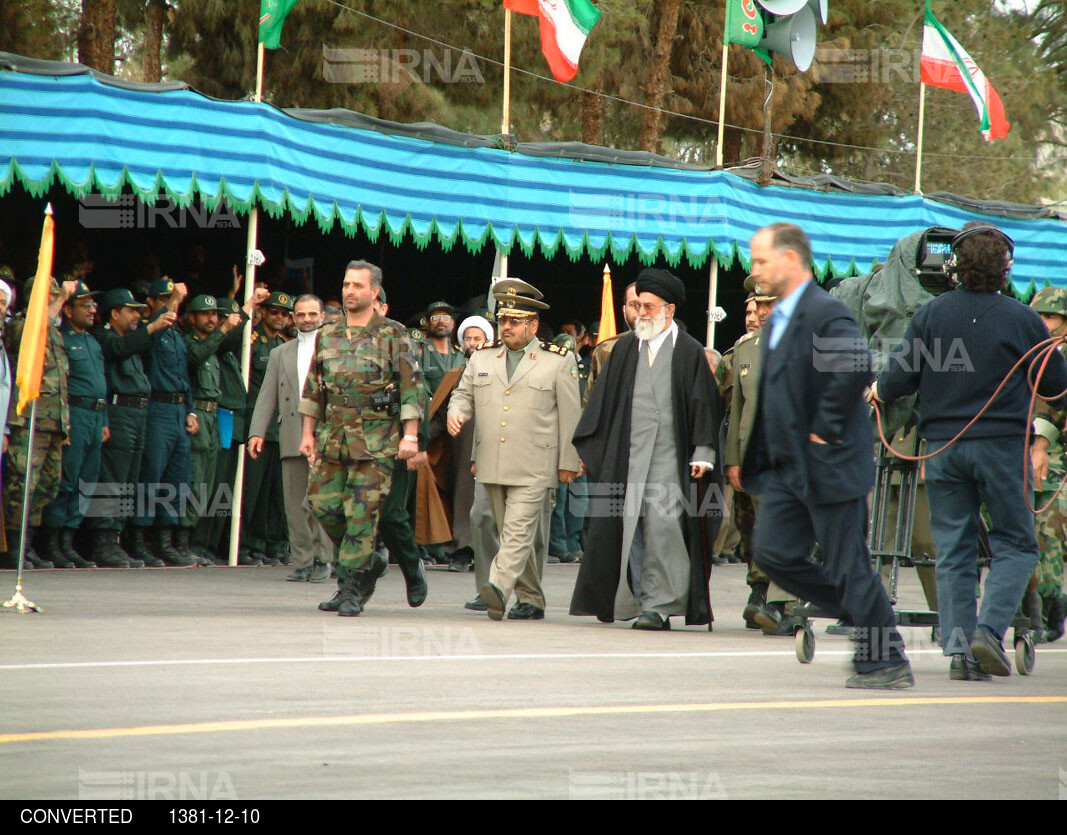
(6, 288)
(479, 322)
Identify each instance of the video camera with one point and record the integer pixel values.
(934, 250)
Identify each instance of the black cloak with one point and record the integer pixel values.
(602, 439)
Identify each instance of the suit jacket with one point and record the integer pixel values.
(744, 397)
(523, 427)
(813, 382)
(280, 391)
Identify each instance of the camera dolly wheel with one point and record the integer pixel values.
(804, 642)
(1024, 653)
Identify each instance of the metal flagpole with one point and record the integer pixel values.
(713, 296)
(246, 341)
(919, 156)
(722, 105)
(18, 602)
(505, 119)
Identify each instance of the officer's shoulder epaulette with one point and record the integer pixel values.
(416, 334)
(746, 337)
(552, 347)
(496, 344)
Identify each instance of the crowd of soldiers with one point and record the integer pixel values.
(143, 415)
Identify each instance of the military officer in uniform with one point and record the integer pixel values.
(362, 391)
(124, 340)
(52, 430)
(767, 601)
(265, 531)
(87, 393)
(166, 464)
(203, 342)
(523, 395)
(1049, 444)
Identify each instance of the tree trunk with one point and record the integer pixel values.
(767, 165)
(153, 39)
(593, 113)
(666, 13)
(96, 37)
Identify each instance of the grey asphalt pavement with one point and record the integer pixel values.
(229, 684)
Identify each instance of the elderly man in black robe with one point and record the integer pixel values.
(649, 438)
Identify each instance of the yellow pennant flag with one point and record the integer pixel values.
(607, 310)
(35, 333)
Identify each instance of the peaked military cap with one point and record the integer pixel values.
(119, 297)
(757, 291)
(440, 305)
(82, 291)
(280, 299)
(227, 305)
(161, 288)
(203, 304)
(515, 297)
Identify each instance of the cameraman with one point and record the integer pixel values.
(956, 351)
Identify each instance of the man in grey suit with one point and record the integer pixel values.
(287, 369)
(523, 394)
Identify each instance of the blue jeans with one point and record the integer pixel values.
(968, 475)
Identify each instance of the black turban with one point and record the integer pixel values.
(668, 287)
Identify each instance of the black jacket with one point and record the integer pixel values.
(813, 383)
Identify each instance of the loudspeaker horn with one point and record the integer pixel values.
(795, 38)
(821, 8)
(783, 7)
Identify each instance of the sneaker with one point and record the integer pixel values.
(886, 678)
(990, 654)
(961, 668)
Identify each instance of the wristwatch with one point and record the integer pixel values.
(412, 438)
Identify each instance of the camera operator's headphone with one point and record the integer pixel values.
(952, 262)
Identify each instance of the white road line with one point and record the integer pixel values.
(533, 656)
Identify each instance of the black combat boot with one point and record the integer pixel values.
(1055, 606)
(757, 599)
(139, 550)
(66, 546)
(334, 603)
(166, 551)
(367, 580)
(47, 552)
(350, 607)
(104, 551)
(183, 546)
(1033, 609)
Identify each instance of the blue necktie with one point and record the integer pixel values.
(775, 335)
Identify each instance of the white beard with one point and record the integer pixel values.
(646, 329)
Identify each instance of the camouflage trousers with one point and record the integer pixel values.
(1051, 536)
(45, 478)
(347, 500)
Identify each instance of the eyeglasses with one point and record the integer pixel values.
(512, 320)
(441, 317)
(645, 307)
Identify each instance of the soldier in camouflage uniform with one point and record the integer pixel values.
(203, 342)
(1050, 426)
(363, 385)
(52, 431)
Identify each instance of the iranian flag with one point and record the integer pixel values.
(947, 64)
(565, 24)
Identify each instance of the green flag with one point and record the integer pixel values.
(272, 14)
(744, 26)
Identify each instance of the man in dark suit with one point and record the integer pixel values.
(811, 458)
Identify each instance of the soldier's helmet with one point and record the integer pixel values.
(1052, 300)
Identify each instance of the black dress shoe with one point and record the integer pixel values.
(526, 611)
(990, 654)
(886, 678)
(552, 560)
(417, 587)
(757, 599)
(570, 557)
(476, 605)
(769, 618)
(301, 575)
(961, 668)
(248, 558)
(652, 622)
(459, 563)
(494, 601)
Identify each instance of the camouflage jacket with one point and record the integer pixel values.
(1051, 423)
(53, 409)
(354, 363)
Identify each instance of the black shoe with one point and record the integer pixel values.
(47, 552)
(417, 586)
(962, 668)
(570, 556)
(334, 602)
(476, 605)
(494, 601)
(71, 558)
(265, 559)
(789, 626)
(459, 563)
(553, 560)
(319, 573)
(652, 622)
(247, 558)
(301, 575)
(350, 605)
(166, 551)
(105, 553)
(757, 599)
(367, 580)
(32, 559)
(183, 546)
(720, 559)
(526, 611)
(139, 550)
(1055, 607)
(990, 654)
(769, 618)
(886, 678)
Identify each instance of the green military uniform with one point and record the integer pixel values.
(264, 531)
(1051, 424)
(356, 440)
(233, 396)
(52, 428)
(204, 380)
(128, 391)
(87, 393)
